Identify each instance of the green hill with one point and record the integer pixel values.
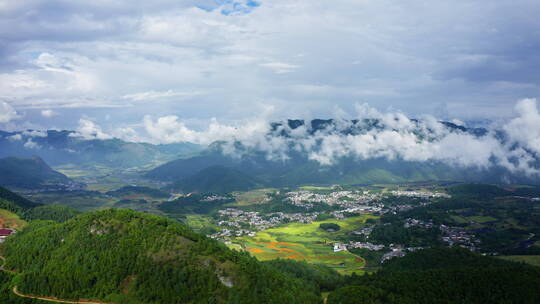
(134, 192)
(29, 173)
(216, 179)
(16, 200)
(122, 256)
(444, 275)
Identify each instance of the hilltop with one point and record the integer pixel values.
(122, 256)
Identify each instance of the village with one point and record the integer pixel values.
(236, 222)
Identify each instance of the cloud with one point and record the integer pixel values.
(150, 95)
(280, 67)
(7, 112)
(48, 113)
(30, 144)
(524, 130)
(374, 134)
(34, 133)
(169, 129)
(297, 56)
(89, 130)
(15, 137)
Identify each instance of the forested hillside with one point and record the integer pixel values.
(28, 173)
(127, 257)
(216, 179)
(443, 275)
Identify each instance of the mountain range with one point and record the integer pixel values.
(66, 147)
(299, 168)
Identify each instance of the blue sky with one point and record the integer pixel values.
(113, 62)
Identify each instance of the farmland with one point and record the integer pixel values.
(305, 242)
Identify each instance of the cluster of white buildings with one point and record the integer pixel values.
(420, 194)
(236, 222)
(341, 198)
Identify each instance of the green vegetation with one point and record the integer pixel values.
(504, 222)
(409, 237)
(443, 275)
(216, 179)
(305, 242)
(80, 200)
(16, 199)
(31, 173)
(138, 192)
(123, 256)
(252, 197)
(529, 259)
(56, 213)
(330, 227)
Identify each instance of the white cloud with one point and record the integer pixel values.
(524, 130)
(15, 137)
(48, 113)
(29, 144)
(150, 95)
(280, 67)
(7, 112)
(34, 133)
(89, 130)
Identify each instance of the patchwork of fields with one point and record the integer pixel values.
(305, 242)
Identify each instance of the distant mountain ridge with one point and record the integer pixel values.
(298, 168)
(31, 173)
(216, 179)
(65, 147)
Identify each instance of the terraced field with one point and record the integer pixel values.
(306, 242)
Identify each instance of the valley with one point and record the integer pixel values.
(222, 224)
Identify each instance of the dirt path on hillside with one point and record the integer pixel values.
(56, 300)
(4, 264)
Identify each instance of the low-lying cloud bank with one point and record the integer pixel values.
(514, 145)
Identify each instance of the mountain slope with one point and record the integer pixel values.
(444, 275)
(16, 200)
(29, 173)
(66, 147)
(122, 256)
(216, 179)
(297, 152)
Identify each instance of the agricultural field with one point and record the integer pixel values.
(80, 200)
(306, 242)
(200, 223)
(10, 220)
(248, 198)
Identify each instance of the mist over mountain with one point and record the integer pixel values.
(70, 147)
(385, 148)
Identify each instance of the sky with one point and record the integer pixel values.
(133, 68)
